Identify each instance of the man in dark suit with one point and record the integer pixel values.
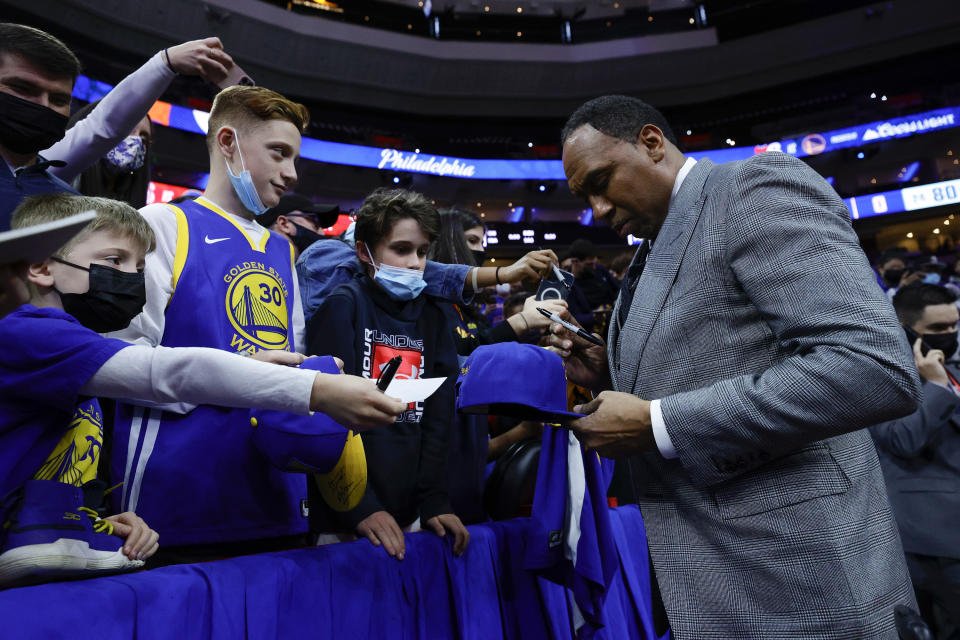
(920, 455)
(748, 350)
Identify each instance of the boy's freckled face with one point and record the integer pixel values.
(107, 248)
(405, 246)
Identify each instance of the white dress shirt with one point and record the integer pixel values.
(660, 435)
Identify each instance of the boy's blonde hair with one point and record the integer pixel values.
(112, 215)
(241, 105)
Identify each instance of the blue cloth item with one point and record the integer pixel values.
(570, 539)
(27, 181)
(295, 443)
(45, 511)
(243, 184)
(350, 590)
(46, 357)
(48, 534)
(537, 388)
(198, 478)
(327, 264)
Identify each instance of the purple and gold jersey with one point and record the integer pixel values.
(197, 477)
(48, 430)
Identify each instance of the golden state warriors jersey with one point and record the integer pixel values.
(197, 478)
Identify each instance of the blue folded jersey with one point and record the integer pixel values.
(571, 539)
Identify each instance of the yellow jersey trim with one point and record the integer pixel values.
(183, 245)
(260, 245)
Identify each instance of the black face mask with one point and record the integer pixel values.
(27, 127)
(892, 276)
(114, 299)
(303, 238)
(946, 342)
(478, 256)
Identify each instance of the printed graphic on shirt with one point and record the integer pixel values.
(256, 304)
(379, 348)
(74, 459)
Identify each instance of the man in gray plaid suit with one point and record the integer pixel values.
(749, 348)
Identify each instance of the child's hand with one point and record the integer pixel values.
(142, 541)
(276, 356)
(449, 523)
(381, 528)
(354, 402)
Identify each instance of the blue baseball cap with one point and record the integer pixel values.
(513, 379)
(300, 444)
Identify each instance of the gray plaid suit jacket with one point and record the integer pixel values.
(758, 322)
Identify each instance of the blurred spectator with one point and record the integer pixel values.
(576, 300)
(893, 272)
(299, 220)
(124, 172)
(890, 269)
(514, 305)
(954, 271)
(618, 266)
(931, 268)
(598, 286)
(461, 242)
(920, 456)
(37, 72)
(107, 148)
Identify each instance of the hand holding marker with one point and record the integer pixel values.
(571, 327)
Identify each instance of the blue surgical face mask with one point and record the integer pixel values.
(243, 184)
(399, 283)
(932, 278)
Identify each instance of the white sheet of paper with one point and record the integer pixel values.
(36, 243)
(413, 390)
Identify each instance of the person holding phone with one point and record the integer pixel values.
(920, 456)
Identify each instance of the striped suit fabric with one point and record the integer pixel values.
(758, 323)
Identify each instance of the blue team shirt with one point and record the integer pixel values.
(197, 478)
(46, 356)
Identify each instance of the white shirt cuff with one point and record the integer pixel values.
(660, 435)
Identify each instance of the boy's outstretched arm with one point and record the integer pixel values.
(153, 376)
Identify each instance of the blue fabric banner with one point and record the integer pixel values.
(351, 590)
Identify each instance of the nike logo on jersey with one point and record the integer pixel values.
(210, 240)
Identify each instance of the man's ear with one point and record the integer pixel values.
(226, 142)
(284, 225)
(39, 274)
(652, 139)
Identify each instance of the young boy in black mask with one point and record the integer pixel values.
(54, 365)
